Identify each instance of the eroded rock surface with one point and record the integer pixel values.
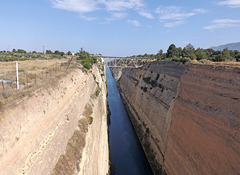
(187, 116)
(38, 130)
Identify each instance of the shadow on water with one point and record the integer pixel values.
(126, 153)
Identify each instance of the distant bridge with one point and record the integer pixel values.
(114, 61)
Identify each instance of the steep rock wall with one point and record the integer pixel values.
(35, 132)
(116, 72)
(204, 135)
(149, 104)
(187, 117)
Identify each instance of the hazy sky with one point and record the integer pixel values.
(117, 27)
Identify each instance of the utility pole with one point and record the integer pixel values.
(17, 82)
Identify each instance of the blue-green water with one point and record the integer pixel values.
(126, 152)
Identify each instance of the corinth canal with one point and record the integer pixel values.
(126, 153)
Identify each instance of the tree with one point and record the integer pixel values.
(69, 53)
(21, 51)
(234, 53)
(189, 51)
(61, 53)
(49, 52)
(85, 58)
(200, 54)
(14, 50)
(209, 53)
(179, 52)
(145, 55)
(217, 56)
(159, 54)
(164, 56)
(237, 57)
(172, 51)
(226, 54)
(57, 52)
(83, 54)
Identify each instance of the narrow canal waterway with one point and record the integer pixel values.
(126, 152)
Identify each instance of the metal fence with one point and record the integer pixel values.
(27, 80)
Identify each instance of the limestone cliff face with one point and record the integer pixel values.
(204, 133)
(116, 72)
(187, 117)
(60, 128)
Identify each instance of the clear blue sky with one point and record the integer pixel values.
(117, 27)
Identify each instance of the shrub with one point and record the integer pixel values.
(86, 60)
(97, 92)
(161, 87)
(157, 77)
(90, 120)
(147, 131)
(145, 89)
(94, 77)
(6, 94)
(147, 79)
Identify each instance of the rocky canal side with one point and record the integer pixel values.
(116, 72)
(186, 116)
(60, 128)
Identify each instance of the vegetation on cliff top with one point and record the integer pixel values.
(21, 55)
(190, 53)
(86, 59)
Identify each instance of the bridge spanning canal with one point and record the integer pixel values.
(113, 61)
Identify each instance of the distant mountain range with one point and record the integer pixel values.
(230, 46)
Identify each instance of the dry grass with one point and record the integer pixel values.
(223, 63)
(32, 74)
(8, 69)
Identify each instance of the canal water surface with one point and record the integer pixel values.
(126, 152)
